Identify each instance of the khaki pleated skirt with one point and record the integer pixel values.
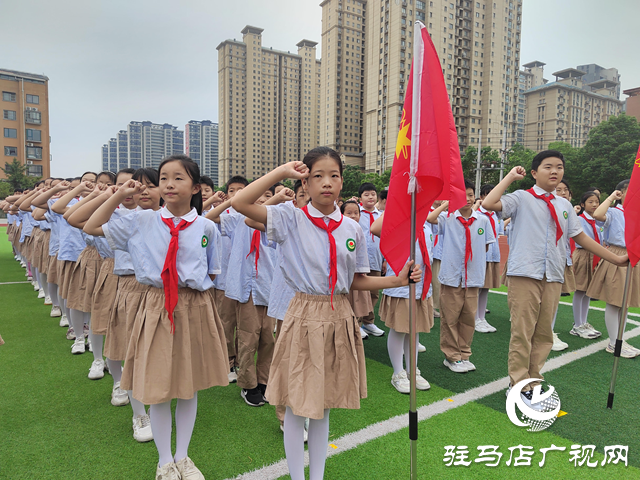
(36, 246)
(360, 301)
(582, 268)
(159, 365)
(318, 361)
(65, 267)
(608, 280)
(83, 279)
(11, 231)
(505, 278)
(16, 239)
(394, 312)
(52, 271)
(44, 253)
(104, 296)
(492, 276)
(123, 314)
(26, 248)
(569, 285)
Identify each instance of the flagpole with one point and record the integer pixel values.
(621, 324)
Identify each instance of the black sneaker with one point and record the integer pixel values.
(263, 388)
(253, 397)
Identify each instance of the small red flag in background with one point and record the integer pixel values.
(632, 214)
(434, 171)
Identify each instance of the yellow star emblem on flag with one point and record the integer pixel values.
(404, 138)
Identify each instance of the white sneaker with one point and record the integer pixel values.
(47, 300)
(421, 348)
(188, 471)
(421, 383)
(23, 265)
(142, 428)
(583, 332)
(363, 334)
(97, 369)
(436, 314)
(468, 365)
(89, 347)
(588, 326)
(36, 287)
(71, 334)
(483, 326)
(526, 397)
(233, 375)
(119, 397)
(456, 367)
(168, 472)
(55, 311)
(400, 382)
(64, 321)
(627, 350)
(41, 293)
(371, 329)
(78, 346)
(558, 344)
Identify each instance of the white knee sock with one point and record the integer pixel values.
(53, 293)
(136, 405)
(318, 444)
(407, 352)
(585, 308)
(161, 427)
(97, 341)
(115, 369)
(611, 320)
(76, 318)
(577, 308)
(36, 276)
(186, 411)
(553, 324)
(483, 297)
(44, 284)
(395, 346)
(294, 444)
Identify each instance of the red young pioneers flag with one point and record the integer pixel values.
(632, 214)
(427, 156)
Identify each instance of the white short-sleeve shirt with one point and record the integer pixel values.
(373, 242)
(533, 251)
(305, 248)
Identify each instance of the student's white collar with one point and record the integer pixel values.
(587, 216)
(542, 191)
(474, 214)
(484, 210)
(375, 210)
(189, 217)
(314, 212)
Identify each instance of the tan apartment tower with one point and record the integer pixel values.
(25, 121)
(268, 105)
(564, 111)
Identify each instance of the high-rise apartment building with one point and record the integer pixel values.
(530, 76)
(564, 111)
(142, 144)
(201, 145)
(595, 74)
(268, 104)
(25, 121)
(479, 46)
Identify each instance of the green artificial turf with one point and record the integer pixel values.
(55, 423)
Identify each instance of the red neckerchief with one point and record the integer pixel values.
(468, 252)
(596, 237)
(169, 273)
(333, 256)
(255, 247)
(619, 208)
(371, 219)
(552, 211)
(572, 245)
(493, 222)
(426, 280)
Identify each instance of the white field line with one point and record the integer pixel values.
(13, 283)
(377, 430)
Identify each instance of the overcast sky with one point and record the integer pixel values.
(111, 62)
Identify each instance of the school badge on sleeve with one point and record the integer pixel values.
(351, 244)
(565, 215)
(205, 241)
(481, 231)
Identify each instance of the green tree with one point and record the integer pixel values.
(5, 190)
(15, 174)
(520, 156)
(352, 178)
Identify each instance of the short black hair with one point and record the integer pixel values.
(383, 194)
(623, 185)
(89, 173)
(348, 202)
(236, 179)
(317, 153)
(468, 184)
(151, 175)
(272, 188)
(297, 186)
(537, 160)
(486, 189)
(367, 187)
(70, 179)
(592, 189)
(111, 175)
(207, 181)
